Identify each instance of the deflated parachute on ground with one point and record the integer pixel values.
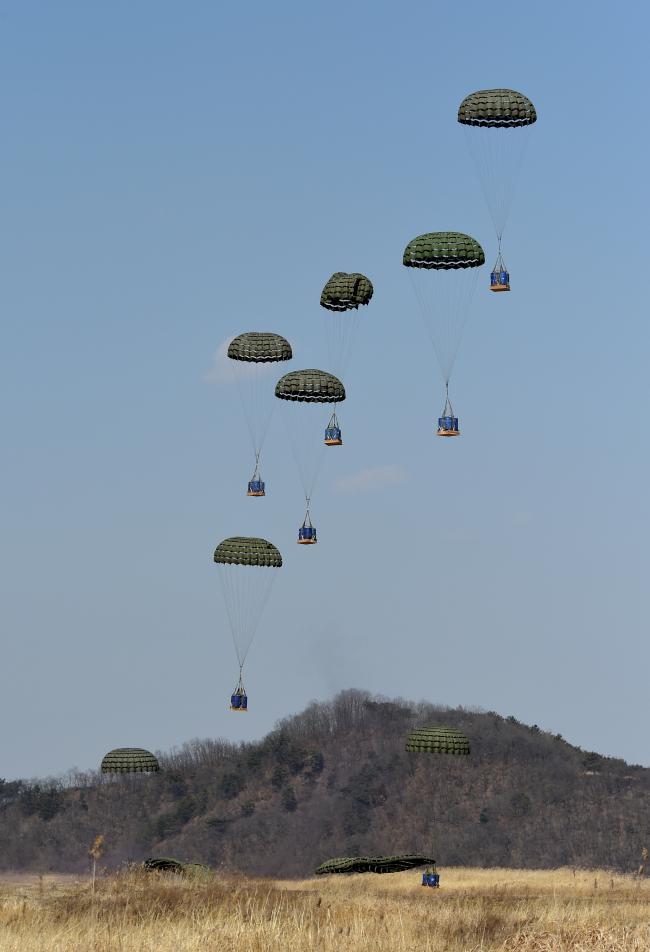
(166, 864)
(129, 760)
(374, 864)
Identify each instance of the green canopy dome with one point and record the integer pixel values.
(346, 291)
(503, 108)
(129, 760)
(247, 550)
(310, 386)
(442, 250)
(374, 864)
(438, 740)
(259, 347)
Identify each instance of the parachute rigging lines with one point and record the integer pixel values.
(303, 393)
(247, 571)
(251, 358)
(443, 266)
(497, 125)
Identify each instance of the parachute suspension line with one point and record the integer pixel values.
(449, 410)
(444, 299)
(498, 156)
(246, 591)
(256, 472)
(307, 447)
(254, 386)
(240, 683)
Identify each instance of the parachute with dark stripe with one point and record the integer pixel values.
(497, 108)
(250, 356)
(247, 568)
(310, 386)
(497, 124)
(443, 266)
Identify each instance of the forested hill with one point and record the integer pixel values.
(335, 780)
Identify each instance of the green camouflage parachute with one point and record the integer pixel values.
(251, 355)
(374, 864)
(166, 864)
(346, 291)
(259, 347)
(310, 386)
(443, 268)
(500, 108)
(247, 550)
(129, 760)
(443, 250)
(438, 740)
(246, 585)
(497, 125)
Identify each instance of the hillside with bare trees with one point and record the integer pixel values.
(335, 780)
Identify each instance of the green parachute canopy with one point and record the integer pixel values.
(442, 251)
(438, 740)
(259, 347)
(497, 108)
(374, 864)
(166, 864)
(129, 760)
(346, 291)
(247, 550)
(310, 386)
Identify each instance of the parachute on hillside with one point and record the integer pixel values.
(342, 296)
(437, 740)
(247, 569)
(250, 355)
(303, 393)
(129, 760)
(443, 266)
(497, 124)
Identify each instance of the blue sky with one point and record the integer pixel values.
(174, 174)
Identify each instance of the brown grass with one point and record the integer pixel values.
(511, 911)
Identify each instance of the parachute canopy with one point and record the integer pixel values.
(129, 760)
(438, 740)
(310, 386)
(259, 347)
(247, 550)
(374, 864)
(443, 250)
(346, 291)
(497, 108)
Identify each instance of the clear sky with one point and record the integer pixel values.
(176, 173)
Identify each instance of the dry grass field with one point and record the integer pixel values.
(526, 911)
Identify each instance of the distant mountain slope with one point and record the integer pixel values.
(335, 780)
